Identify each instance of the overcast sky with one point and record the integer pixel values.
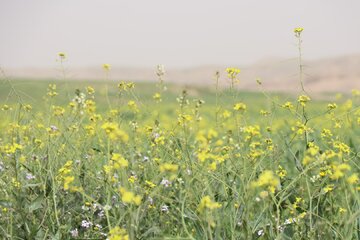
(182, 33)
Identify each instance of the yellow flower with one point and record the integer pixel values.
(51, 91)
(226, 114)
(129, 197)
(328, 188)
(150, 184)
(113, 131)
(331, 106)
(288, 105)
(6, 107)
(90, 90)
(240, 106)
(281, 172)
(119, 161)
(298, 31)
(67, 181)
(355, 92)
(342, 210)
(62, 55)
(118, 233)
(27, 107)
(157, 97)
(354, 178)
(338, 170)
(207, 203)
(132, 179)
(106, 66)
(303, 99)
(232, 72)
(183, 119)
(168, 167)
(267, 179)
(133, 106)
(58, 111)
(212, 166)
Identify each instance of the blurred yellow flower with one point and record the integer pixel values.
(106, 66)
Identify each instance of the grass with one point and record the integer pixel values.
(118, 163)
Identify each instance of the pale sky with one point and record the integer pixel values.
(186, 33)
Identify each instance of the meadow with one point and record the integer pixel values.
(123, 160)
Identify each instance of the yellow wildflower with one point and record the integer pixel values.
(119, 161)
(129, 197)
(303, 99)
(168, 167)
(338, 170)
(267, 179)
(207, 203)
(118, 233)
(106, 66)
(62, 55)
(354, 178)
(240, 106)
(67, 181)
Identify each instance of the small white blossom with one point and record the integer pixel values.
(165, 182)
(164, 208)
(74, 233)
(151, 200)
(289, 221)
(101, 214)
(85, 208)
(180, 180)
(107, 207)
(29, 176)
(260, 232)
(53, 128)
(86, 224)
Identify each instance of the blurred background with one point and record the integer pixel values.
(193, 39)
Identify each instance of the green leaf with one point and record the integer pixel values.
(36, 204)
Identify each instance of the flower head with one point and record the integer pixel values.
(62, 55)
(298, 31)
(106, 66)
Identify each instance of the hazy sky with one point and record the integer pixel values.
(175, 33)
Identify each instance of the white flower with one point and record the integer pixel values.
(165, 182)
(260, 232)
(180, 180)
(289, 221)
(74, 232)
(29, 176)
(86, 224)
(107, 207)
(53, 128)
(85, 208)
(164, 208)
(101, 214)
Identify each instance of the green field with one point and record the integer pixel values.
(97, 160)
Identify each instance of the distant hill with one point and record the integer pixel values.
(338, 74)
